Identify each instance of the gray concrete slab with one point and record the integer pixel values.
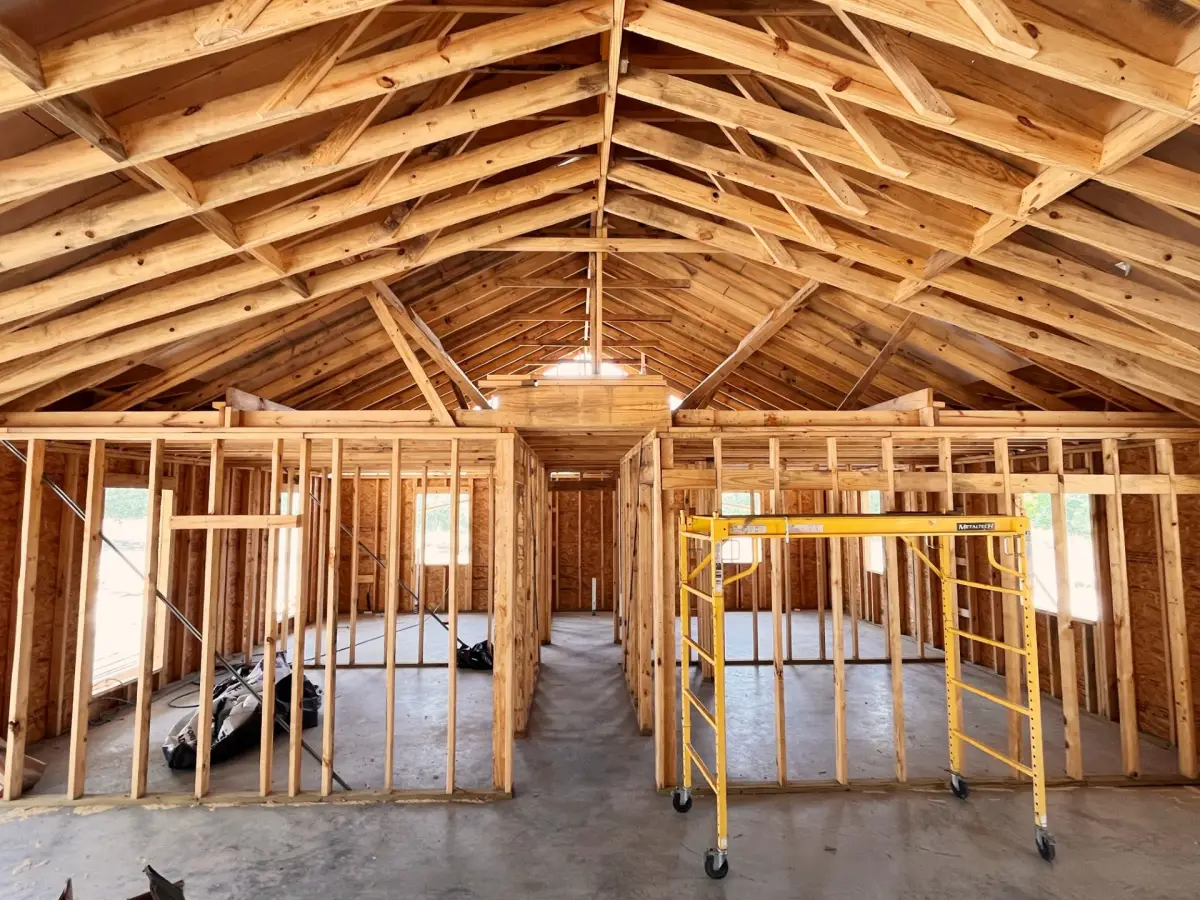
(585, 825)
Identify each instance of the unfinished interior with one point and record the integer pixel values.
(356, 355)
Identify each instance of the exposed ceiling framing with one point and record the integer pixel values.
(364, 204)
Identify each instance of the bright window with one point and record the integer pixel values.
(118, 614)
(739, 503)
(873, 546)
(436, 523)
(581, 367)
(287, 561)
(1081, 555)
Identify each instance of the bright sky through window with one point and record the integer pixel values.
(581, 367)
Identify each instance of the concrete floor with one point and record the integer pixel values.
(586, 826)
(808, 690)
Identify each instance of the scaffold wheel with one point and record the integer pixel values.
(1045, 843)
(681, 799)
(716, 864)
(959, 786)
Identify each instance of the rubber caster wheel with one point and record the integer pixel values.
(959, 787)
(1045, 844)
(716, 864)
(681, 799)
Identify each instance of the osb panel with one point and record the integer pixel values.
(56, 611)
(480, 545)
(585, 545)
(1143, 561)
(373, 513)
(47, 595)
(473, 580)
(1187, 461)
(803, 556)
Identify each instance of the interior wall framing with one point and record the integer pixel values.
(221, 570)
(1134, 666)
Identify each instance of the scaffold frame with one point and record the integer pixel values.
(715, 530)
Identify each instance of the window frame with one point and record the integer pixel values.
(420, 517)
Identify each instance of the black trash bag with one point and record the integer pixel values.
(478, 657)
(237, 716)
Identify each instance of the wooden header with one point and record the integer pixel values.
(233, 523)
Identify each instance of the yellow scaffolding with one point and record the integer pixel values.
(714, 530)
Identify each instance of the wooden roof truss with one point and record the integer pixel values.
(364, 204)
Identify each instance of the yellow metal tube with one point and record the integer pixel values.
(1007, 704)
(700, 651)
(700, 568)
(996, 564)
(996, 754)
(1032, 686)
(953, 664)
(691, 753)
(718, 647)
(979, 638)
(685, 667)
(750, 571)
(702, 709)
(995, 588)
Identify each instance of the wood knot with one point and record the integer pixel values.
(842, 83)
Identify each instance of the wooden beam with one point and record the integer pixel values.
(807, 140)
(588, 244)
(85, 632)
(1066, 624)
(392, 605)
(423, 337)
(387, 319)
(891, 613)
(877, 40)
(452, 580)
(751, 343)
(332, 567)
(854, 83)
(778, 575)
(150, 604)
(79, 116)
(209, 621)
(1176, 614)
(1001, 27)
(20, 59)
(644, 284)
(24, 620)
(304, 77)
(308, 525)
(387, 143)
(229, 19)
(503, 683)
(770, 325)
(271, 628)
(893, 344)
(231, 522)
(1114, 520)
(834, 506)
(313, 253)
(858, 122)
(235, 308)
(348, 83)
